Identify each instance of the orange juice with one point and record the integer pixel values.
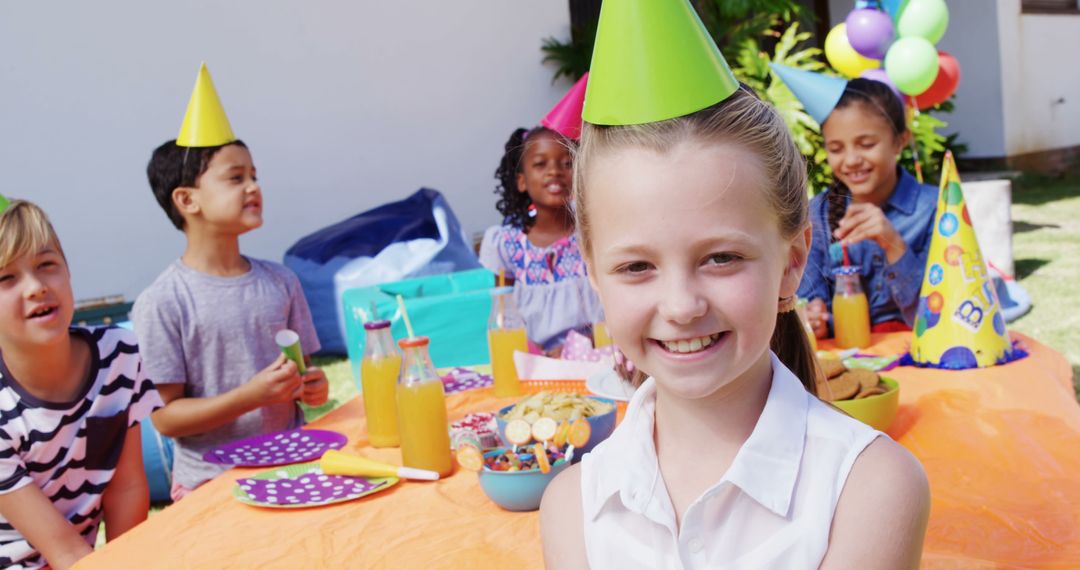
(503, 343)
(425, 438)
(600, 335)
(851, 320)
(378, 379)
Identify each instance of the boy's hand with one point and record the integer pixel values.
(818, 316)
(275, 384)
(315, 389)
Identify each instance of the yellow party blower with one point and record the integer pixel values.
(337, 463)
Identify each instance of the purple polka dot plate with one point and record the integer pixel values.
(304, 485)
(278, 448)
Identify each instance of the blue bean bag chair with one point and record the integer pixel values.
(413, 237)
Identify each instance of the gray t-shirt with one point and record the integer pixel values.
(213, 334)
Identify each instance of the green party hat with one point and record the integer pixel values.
(653, 60)
(4, 203)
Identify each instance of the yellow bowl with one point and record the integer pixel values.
(876, 411)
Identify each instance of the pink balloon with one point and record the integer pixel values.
(880, 75)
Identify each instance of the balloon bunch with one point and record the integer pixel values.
(902, 33)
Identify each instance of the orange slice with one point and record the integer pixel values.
(579, 434)
(544, 429)
(469, 457)
(541, 458)
(518, 432)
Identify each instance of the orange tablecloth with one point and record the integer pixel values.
(1001, 447)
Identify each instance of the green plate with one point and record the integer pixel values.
(304, 485)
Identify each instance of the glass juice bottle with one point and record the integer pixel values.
(379, 370)
(851, 312)
(506, 333)
(421, 410)
(800, 309)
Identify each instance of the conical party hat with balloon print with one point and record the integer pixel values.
(959, 323)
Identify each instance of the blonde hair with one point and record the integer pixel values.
(742, 119)
(25, 230)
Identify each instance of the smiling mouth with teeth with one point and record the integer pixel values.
(42, 312)
(690, 345)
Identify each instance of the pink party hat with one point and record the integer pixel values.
(565, 117)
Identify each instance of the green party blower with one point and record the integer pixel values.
(289, 342)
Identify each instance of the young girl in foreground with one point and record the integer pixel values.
(696, 235)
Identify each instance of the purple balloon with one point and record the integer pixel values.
(880, 75)
(869, 31)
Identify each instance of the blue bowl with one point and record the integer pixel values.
(601, 425)
(517, 490)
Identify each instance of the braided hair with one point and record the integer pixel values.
(514, 204)
(881, 98)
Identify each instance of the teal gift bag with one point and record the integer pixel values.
(451, 309)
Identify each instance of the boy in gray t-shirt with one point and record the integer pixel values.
(206, 325)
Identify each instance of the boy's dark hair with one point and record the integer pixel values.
(876, 96)
(173, 166)
(514, 204)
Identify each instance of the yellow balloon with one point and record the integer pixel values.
(843, 57)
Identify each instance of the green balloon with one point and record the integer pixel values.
(912, 64)
(923, 19)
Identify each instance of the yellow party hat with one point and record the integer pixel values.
(205, 123)
(959, 323)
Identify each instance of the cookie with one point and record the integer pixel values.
(843, 386)
(867, 378)
(874, 391)
(832, 367)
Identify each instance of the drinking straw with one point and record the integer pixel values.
(405, 316)
(847, 260)
(502, 283)
(374, 312)
(912, 112)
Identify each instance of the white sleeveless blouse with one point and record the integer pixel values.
(772, 509)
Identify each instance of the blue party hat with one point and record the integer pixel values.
(818, 93)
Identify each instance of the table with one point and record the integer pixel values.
(1001, 447)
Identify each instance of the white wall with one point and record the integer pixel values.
(345, 104)
(1047, 113)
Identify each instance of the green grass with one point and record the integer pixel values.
(342, 387)
(1046, 250)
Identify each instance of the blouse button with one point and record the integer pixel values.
(695, 545)
(877, 259)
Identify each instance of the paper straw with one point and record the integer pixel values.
(847, 260)
(913, 111)
(502, 277)
(405, 316)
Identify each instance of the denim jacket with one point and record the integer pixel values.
(892, 290)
